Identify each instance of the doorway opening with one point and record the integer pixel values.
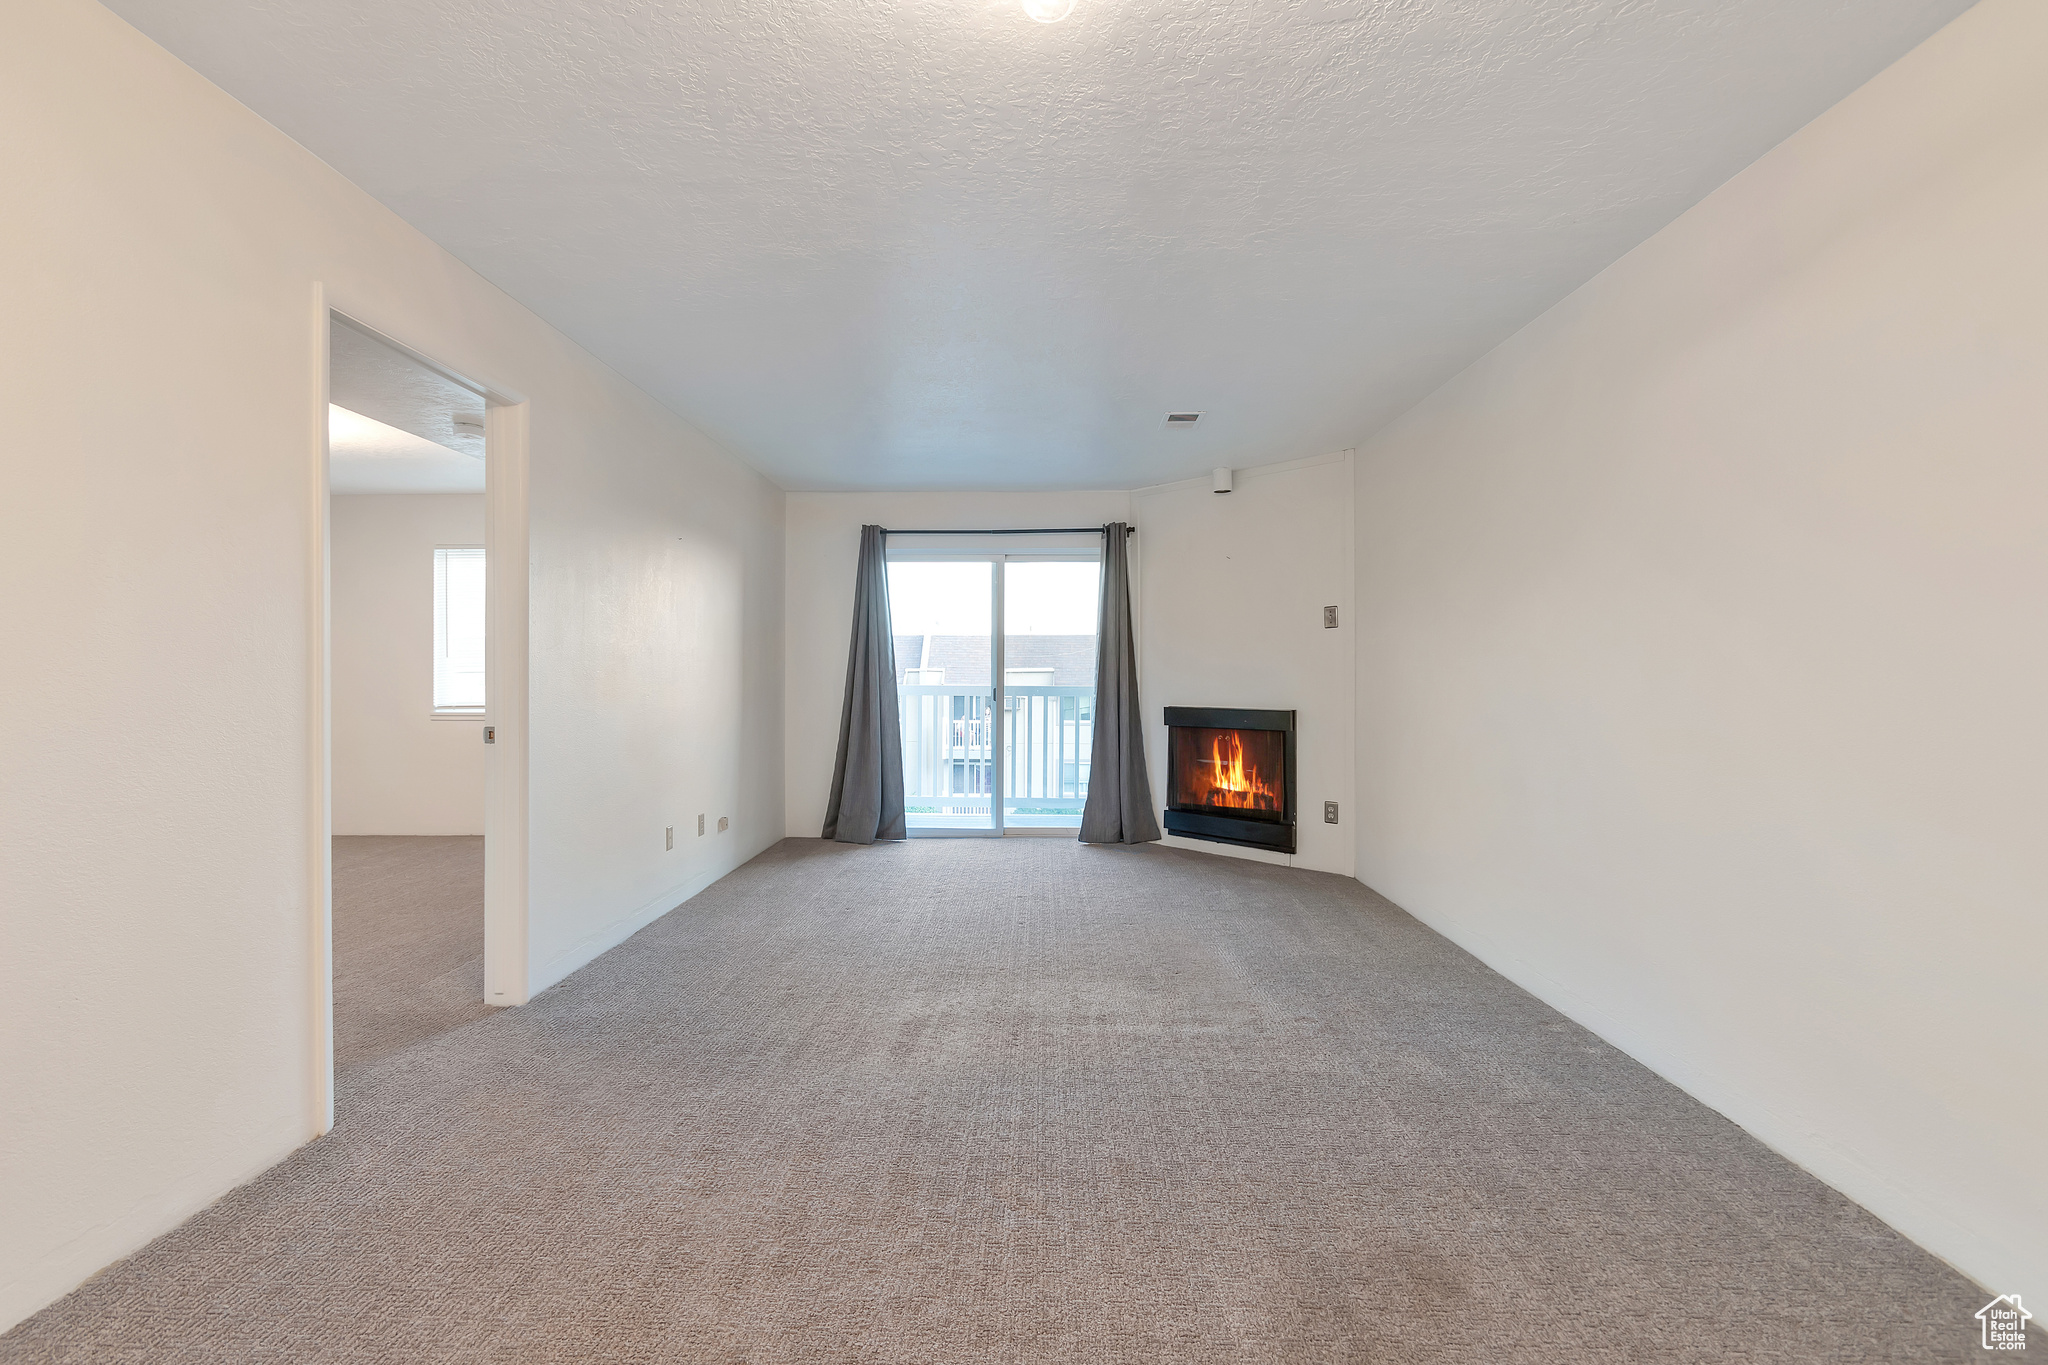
(995, 657)
(411, 789)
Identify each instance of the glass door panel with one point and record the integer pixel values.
(1048, 706)
(942, 613)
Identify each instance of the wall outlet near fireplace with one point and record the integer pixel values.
(1330, 807)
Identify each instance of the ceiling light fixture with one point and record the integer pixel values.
(1048, 11)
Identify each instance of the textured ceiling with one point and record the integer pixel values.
(366, 376)
(930, 243)
(367, 456)
(391, 427)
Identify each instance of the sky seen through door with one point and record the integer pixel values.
(932, 597)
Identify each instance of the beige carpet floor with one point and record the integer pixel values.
(1018, 1101)
(408, 943)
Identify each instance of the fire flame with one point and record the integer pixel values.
(1231, 783)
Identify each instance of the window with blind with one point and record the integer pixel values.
(459, 630)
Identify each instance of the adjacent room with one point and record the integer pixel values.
(407, 703)
(1031, 680)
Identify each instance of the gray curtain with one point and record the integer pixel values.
(1119, 809)
(866, 803)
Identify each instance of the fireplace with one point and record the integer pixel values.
(1230, 776)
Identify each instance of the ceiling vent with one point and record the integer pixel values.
(1176, 421)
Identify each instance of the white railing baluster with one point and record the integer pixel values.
(950, 736)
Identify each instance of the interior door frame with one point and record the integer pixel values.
(997, 560)
(506, 520)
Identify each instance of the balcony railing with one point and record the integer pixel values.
(949, 753)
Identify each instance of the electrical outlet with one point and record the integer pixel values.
(671, 838)
(1329, 812)
(1329, 618)
(724, 823)
(700, 825)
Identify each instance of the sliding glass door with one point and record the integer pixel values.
(943, 615)
(1048, 704)
(995, 673)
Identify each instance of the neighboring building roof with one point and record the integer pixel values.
(964, 658)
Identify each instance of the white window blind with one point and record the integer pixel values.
(459, 629)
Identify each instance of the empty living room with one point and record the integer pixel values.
(1155, 682)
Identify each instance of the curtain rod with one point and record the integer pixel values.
(1016, 531)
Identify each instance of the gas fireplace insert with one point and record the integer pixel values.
(1230, 776)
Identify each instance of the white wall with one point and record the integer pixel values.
(397, 770)
(1232, 610)
(657, 675)
(159, 941)
(1702, 658)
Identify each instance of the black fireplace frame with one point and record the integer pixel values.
(1202, 822)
